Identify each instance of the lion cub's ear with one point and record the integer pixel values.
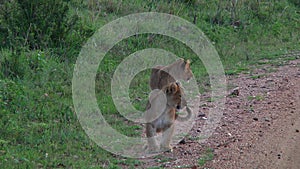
(187, 64)
(172, 88)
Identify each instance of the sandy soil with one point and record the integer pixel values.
(259, 128)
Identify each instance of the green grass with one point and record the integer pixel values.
(39, 126)
(257, 98)
(161, 158)
(208, 156)
(258, 76)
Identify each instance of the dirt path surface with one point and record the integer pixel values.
(259, 128)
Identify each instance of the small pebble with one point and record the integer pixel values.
(279, 156)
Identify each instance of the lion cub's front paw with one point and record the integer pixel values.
(152, 149)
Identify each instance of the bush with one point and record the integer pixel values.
(40, 25)
(295, 2)
(36, 24)
(20, 65)
(11, 96)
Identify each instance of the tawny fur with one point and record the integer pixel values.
(164, 75)
(165, 122)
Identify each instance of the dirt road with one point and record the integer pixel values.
(279, 146)
(259, 128)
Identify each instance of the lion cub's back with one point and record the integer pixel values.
(159, 78)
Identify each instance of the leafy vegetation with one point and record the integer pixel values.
(208, 156)
(40, 41)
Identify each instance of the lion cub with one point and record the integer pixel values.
(162, 75)
(165, 121)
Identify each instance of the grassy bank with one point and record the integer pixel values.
(40, 44)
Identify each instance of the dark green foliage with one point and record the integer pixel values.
(10, 66)
(37, 24)
(295, 2)
(40, 24)
(11, 95)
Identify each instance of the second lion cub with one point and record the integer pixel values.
(165, 121)
(163, 75)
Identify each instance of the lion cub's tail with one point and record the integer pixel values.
(187, 117)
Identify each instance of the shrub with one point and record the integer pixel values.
(295, 2)
(36, 24)
(42, 25)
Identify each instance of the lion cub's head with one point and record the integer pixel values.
(175, 94)
(184, 72)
